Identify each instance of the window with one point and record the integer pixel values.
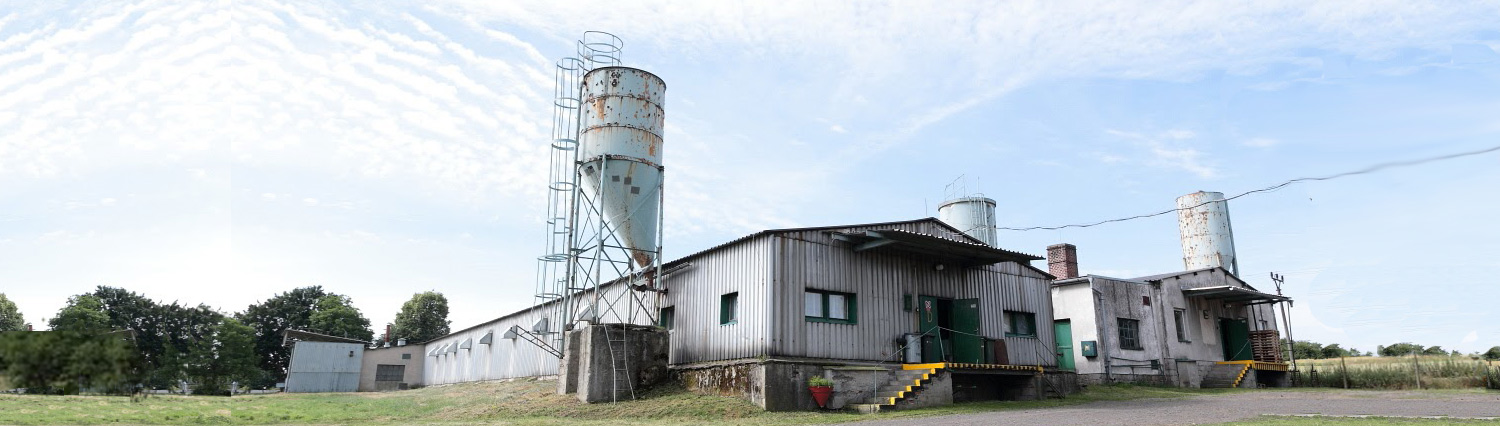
(389, 373)
(828, 306)
(1020, 324)
(667, 317)
(1130, 334)
(1181, 316)
(727, 307)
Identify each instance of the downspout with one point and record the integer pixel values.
(1101, 329)
(1161, 315)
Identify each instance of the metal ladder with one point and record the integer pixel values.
(619, 355)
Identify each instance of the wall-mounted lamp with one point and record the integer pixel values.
(939, 267)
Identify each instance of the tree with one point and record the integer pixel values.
(11, 318)
(69, 361)
(228, 356)
(1303, 349)
(1492, 354)
(1435, 350)
(337, 316)
(272, 317)
(83, 314)
(1400, 349)
(423, 318)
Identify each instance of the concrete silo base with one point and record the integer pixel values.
(588, 367)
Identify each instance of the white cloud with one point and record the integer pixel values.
(268, 196)
(1168, 149)
(1261, 142)
(1472, 337)
(837, 129)
(310, 201)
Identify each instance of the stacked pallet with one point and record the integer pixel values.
(1265, 345)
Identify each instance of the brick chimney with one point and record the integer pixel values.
(1062, 260)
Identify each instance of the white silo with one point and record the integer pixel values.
(620, 151)
(1207, 237)
(974, 216)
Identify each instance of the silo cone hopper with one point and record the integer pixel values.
(620, 142)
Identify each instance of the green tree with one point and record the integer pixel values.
(10, 316)
(67, 361)
(1304, 349)
(83, 314)
(228, 356)
(1492, 354)
(272, 317)
(1435, 350)
(423, 318)
(337, 316)
(1400, 349)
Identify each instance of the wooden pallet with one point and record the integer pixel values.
(1265, 345)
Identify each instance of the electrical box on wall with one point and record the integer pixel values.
(1090, 348)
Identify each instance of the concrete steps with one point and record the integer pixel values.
(904, 384)
(1224, 376)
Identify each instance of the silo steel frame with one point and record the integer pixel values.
(582, 246)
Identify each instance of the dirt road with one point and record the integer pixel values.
(1238, 406)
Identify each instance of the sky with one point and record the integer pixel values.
(222, 152)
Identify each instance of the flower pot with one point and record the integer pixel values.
(821, 394)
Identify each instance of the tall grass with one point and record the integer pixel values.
(1437, 372)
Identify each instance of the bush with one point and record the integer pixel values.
(818, 381)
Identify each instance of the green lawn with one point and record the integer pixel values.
(1323, 420)
(524, 402)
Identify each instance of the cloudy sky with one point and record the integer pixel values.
(221, 152)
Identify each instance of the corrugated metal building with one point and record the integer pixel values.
(323, 363)
(750, 317)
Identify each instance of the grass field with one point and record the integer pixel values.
(520, 402)
(1438, 372)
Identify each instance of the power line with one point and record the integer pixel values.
(1366, 170)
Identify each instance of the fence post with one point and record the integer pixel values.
(1416, 369)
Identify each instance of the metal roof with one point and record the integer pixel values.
(291, 335)
(922, 245)
(1159, 277)
(1234, 294)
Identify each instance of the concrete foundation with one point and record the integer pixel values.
(588, 367)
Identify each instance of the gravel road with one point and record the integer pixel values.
(1237, 406)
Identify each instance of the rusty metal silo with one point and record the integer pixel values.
(620, 154)
(1207, 237)
(974, 216)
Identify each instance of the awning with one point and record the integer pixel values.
(933, 247)
(1234, 294)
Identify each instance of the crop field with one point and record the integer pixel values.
(517, 402)
(1437, 372)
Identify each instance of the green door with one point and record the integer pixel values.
(968, 343)
(1063, 331)
(1236, 338)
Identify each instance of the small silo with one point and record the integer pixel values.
(620, 143)
(1207, 237)
(974, 216)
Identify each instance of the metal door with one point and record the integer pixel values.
(968, 343)
(928, 314)
(1236, 339)
(1063, 330)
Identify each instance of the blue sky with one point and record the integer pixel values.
(221, 152)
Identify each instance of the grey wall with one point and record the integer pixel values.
(813, 260)
(392, 356)
(694, 294)
(324, 367)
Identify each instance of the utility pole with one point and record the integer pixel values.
(1287, 319)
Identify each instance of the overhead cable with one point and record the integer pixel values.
(1366, 170)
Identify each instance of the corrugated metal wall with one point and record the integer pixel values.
(324, 367)
(695, 294)
(505, 358)
(813, 260)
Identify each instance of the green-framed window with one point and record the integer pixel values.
(1130, 334)
(667, 317)
(1020, 324)
(829, 306)
(728, 308)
